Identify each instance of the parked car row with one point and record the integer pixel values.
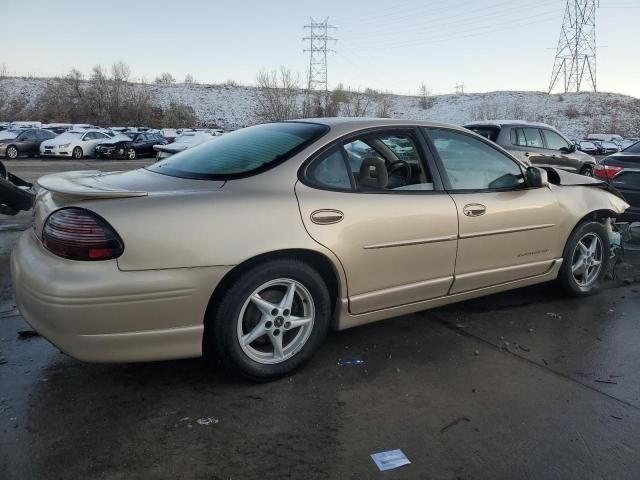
(78, 141)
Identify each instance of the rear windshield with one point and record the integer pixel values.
(490, 133)
(635, 148)
(246, 151)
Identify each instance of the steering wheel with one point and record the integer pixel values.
(400, 164)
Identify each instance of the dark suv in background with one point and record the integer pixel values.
(537, 144)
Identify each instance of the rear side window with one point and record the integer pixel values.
(635, 148)
(242, 152)
(330, 170)
(526, 137)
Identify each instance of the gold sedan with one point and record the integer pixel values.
(249, 248)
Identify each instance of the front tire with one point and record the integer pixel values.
(585, 260)
(271, 320)
(131, 153)
(12, 152)
(77, 153)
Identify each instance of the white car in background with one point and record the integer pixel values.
(73, 144)
(184, 142)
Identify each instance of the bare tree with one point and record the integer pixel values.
(4, 71)
(358, 104)
(189, 80)
(277, 95)
(426, 100)
(179, 115)
(165, 78)
(384, 105)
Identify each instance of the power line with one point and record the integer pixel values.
(576, 51)
(318, 47)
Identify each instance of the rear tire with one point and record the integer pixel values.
(585, 260)
(299, 325)
(131, 154)
(587, 171)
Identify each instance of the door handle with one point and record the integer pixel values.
(326, 216)
(474, 210)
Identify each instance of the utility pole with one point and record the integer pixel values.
(575, 60)
(318, 47)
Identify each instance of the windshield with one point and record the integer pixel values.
(635, 148)
(244, 151)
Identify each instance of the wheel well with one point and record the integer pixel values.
(317, 260)
(598, 216)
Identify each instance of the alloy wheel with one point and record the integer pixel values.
(131, 154)
(12, 153)
(587, 259)
(77, 153)
(275, 321)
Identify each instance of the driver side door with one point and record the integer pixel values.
(508, 231)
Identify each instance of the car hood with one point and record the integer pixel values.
(568, 179)
(135, 183)
(52, 142)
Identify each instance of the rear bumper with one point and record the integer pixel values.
(95, 312)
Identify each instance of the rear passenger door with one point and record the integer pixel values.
(376, 202)
(528, 145)
(508, 231)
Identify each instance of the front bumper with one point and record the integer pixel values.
(56, 152)
(96, 312)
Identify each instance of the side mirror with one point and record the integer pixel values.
(536, 177)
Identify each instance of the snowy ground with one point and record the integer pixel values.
(576, 114)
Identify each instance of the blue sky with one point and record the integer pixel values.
(485, 44)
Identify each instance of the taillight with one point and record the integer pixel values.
(79, 234)
(606, 172)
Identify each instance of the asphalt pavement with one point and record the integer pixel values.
(524, 384)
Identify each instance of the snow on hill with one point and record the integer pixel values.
(575, 114)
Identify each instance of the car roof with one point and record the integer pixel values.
(365, 122)
(507, 123)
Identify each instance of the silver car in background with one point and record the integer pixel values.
(536, 144)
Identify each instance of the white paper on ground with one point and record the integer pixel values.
(390, 459)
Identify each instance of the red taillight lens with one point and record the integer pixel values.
(79, 234)
(606, 172)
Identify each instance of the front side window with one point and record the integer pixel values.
(242, 152)
(471, 164)
(555, 141)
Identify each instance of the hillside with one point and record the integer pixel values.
(576, 114)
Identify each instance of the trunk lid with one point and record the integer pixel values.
(73, 188)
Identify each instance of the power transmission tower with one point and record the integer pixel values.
(318, 47)
(576, 52)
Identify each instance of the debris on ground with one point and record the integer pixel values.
(530, 330)
(616, 417)
(207, 421)
(545, 362)
(524, 349)
(454, 423)
(554, 315)
(459, 325)
(3, 360)
(597, 380)
(24, 334)
(349, 363)
(476, 353)
(390, 459)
